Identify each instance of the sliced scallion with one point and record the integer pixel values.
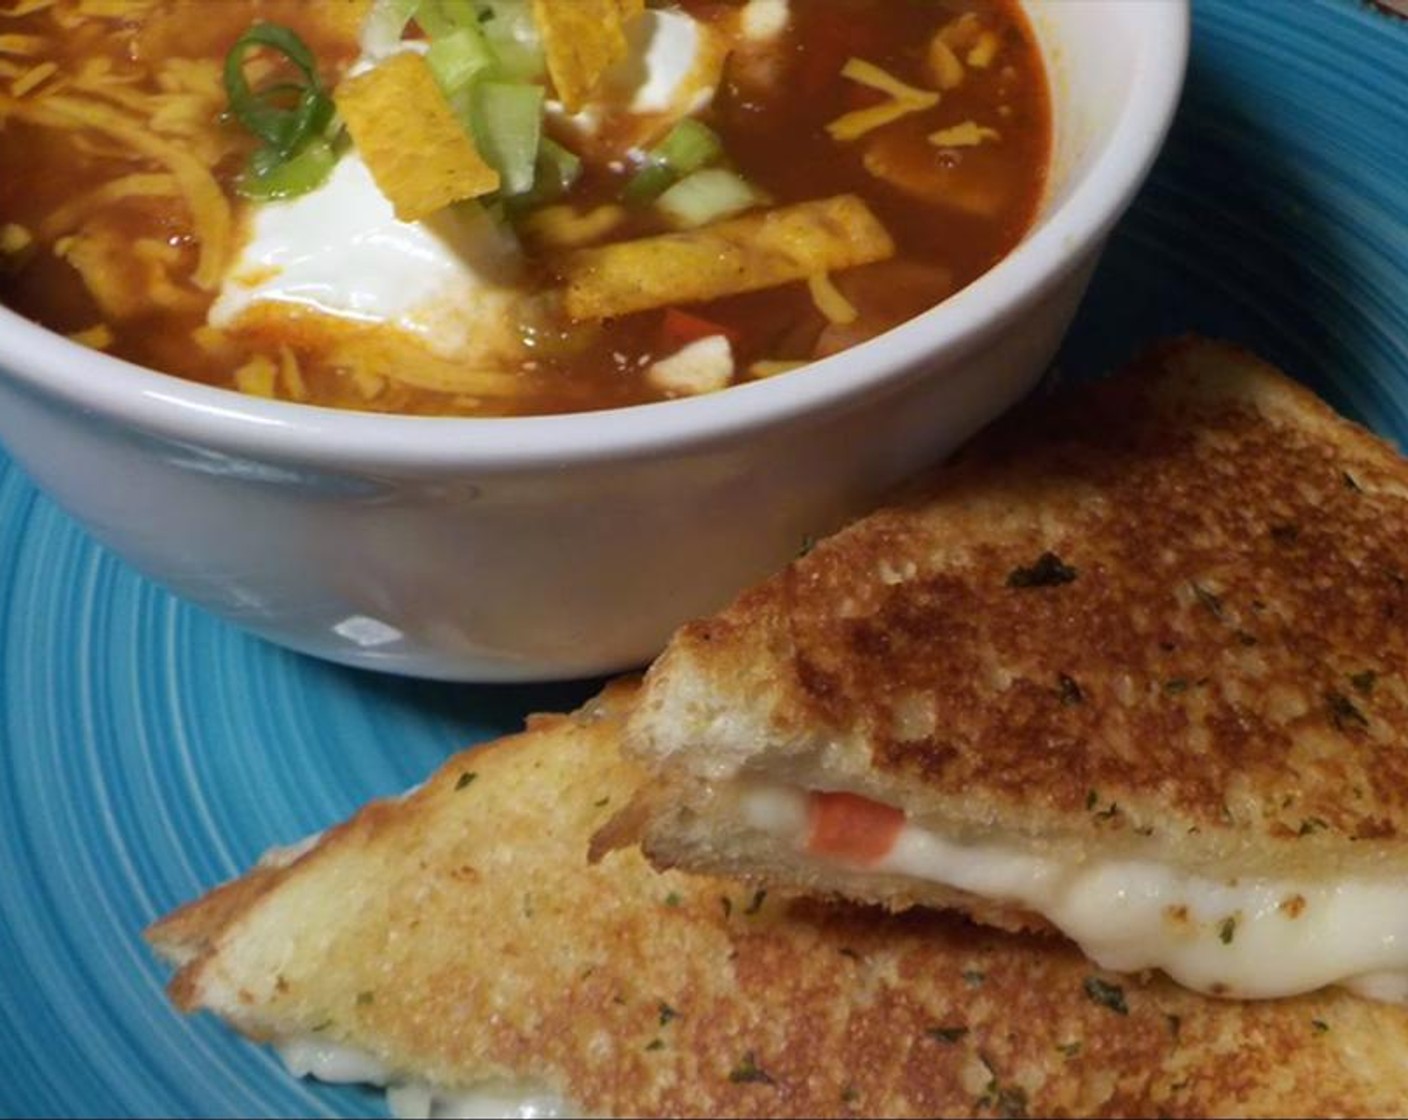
(438, 19)
(384, 26)
(649, 183)
(707, 196)
(266, 112)
(519, 62)
(505, 20)
(291, 115)
(557, 169)
(269, 179)
(508, 27)
(688, 147)
(508, 125)
(458, 58)
(486, 58)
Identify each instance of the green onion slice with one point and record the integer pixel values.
(648, 184)
(271, 176)
(385, 24)
(688, 147)
(508, 123)
(558, 168)
(705, 196)
(292, 117)
(458, 58)
(267, 113)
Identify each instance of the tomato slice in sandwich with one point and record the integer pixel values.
(850, 827)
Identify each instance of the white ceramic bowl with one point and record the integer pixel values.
(551, 547)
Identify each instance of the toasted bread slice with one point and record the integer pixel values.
(456, 945)
(1131, 665)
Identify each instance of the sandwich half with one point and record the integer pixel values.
(1132, 667)
(456, 946)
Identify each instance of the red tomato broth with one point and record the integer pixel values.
(771, 114)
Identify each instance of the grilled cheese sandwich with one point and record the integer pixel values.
(1132, 667)
(455, 946)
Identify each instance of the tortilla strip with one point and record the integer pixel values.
(582, 39)
(415, 147)
(759, 250)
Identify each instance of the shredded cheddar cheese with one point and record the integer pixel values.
(760, 370)
(213, 340)
(829, 301)
(140, 185)
(15, 238)
(98, 337)
(291, 373)
(945, 64)
(984, 51)
(112, 9)
(963, 32)
(904, 99)
(33, 78)
(852, 126)
(369, 385)
(20, 8)
(398, 356)
(868, 74)
(968, 134)
(23, 45)
(210, 210)
(257, 377)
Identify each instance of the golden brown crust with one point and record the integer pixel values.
(186, 933)
(460, 935)
(1167, 609)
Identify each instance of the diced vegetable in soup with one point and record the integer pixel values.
(506, 207)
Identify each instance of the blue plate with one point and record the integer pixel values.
(148, 751)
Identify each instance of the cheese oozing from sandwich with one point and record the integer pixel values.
(335, 1063)
(1252, 937)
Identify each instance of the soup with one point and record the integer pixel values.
(506, 207)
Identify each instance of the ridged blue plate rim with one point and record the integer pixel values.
(149, 751)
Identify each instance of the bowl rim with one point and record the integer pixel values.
(54, 367)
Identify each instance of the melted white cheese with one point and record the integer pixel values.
(341, 251)
(1254, 938)
(283, 856)
(497, 1099)
(310, 1056)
